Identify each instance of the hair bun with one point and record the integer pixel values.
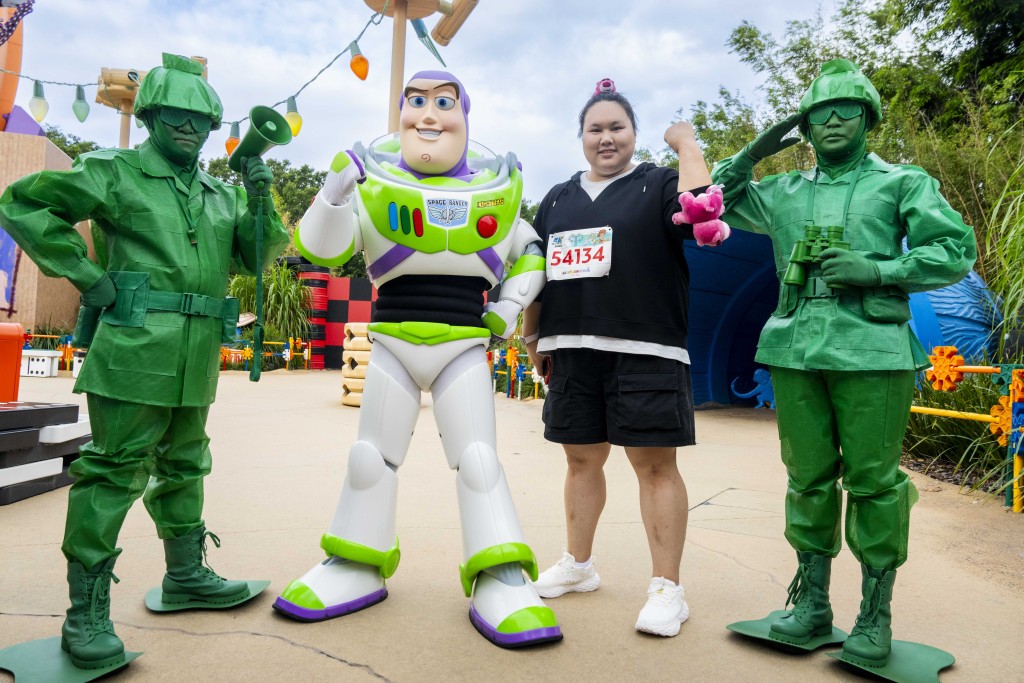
(604, 85)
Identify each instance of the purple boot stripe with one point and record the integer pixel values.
(539, 635)
(331, 610)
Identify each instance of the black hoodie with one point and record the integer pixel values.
(645, 295)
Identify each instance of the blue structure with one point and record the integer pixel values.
(734, 288)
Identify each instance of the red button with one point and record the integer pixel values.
(487, 226)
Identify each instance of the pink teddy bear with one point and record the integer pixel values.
(702, 213)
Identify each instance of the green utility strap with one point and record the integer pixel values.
(257, 327)
(846, 201)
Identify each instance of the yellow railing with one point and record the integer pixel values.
(948, 371)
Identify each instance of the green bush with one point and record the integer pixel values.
(972, 449)
(49, 328)
(285, 301)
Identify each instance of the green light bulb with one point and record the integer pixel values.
(80, 106)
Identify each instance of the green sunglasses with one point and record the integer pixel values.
(844, 110)
(201, 123)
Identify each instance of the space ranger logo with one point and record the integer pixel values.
(448, 213)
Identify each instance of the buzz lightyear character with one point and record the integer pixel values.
(437, 221)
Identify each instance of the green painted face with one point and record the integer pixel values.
(178, 144)
(839, 134)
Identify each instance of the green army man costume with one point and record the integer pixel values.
(173, 233)
(841, 351)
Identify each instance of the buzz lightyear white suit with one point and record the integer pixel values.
(432, 244)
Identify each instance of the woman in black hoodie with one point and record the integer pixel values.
(611, 334)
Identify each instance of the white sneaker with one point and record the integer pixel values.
(565, 577)
(665, 611)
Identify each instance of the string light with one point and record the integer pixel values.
(80, 106)
(292, 117)
(359, 64)
(38, 104)
(39, 107)
(232, 140)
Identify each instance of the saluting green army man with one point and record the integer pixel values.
(841, 352)
(173, 233)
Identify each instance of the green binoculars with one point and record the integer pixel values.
(808, 250)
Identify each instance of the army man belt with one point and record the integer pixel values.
(189, 304)
(815, 288)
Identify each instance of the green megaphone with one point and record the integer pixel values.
(268, 129)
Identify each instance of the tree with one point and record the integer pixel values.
(72, 145)
(528, 210)
(984, 40)
(294, 188)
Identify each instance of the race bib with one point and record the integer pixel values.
(580, 253)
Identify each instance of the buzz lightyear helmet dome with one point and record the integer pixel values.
(382, 158)
(841, 79)
(179, 83)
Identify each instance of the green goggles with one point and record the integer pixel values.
(201, 123)
(844, 110)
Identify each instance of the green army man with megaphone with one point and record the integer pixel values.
(173, 233)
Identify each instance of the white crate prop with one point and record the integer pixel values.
(33, 470)
(39, 363)
(76, 364)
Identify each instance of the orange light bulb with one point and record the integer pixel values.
(232, 140)
(360, 66)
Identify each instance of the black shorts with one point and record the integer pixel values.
(623, 398)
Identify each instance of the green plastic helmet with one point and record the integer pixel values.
(179, 83)
(841, 79)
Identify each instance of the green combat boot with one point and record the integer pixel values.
(188, 579)
(870, 641)
(811, 615)
(88, 634)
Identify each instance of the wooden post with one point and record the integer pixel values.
(125, 110)
(397, 63)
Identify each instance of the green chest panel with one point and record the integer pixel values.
(442, 213)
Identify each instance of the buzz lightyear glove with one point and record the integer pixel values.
(502, 318)
(346, 171)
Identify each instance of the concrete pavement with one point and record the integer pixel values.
(280, 449)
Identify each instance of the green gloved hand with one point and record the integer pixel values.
(101, 294)
(256, 177)
(772, 141)
(839, 266)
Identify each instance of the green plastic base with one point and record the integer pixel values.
(908, 663)
(155, 603)
(42, 661)
(761, 629)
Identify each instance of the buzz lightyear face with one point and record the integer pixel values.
(432, 127)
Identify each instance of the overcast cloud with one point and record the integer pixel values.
(529, 65)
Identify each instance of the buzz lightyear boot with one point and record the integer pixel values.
(870, 641)
(88, 634)
(811, 615)
(361, 546)
(505, 607)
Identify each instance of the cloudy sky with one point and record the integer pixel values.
(528, 65)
